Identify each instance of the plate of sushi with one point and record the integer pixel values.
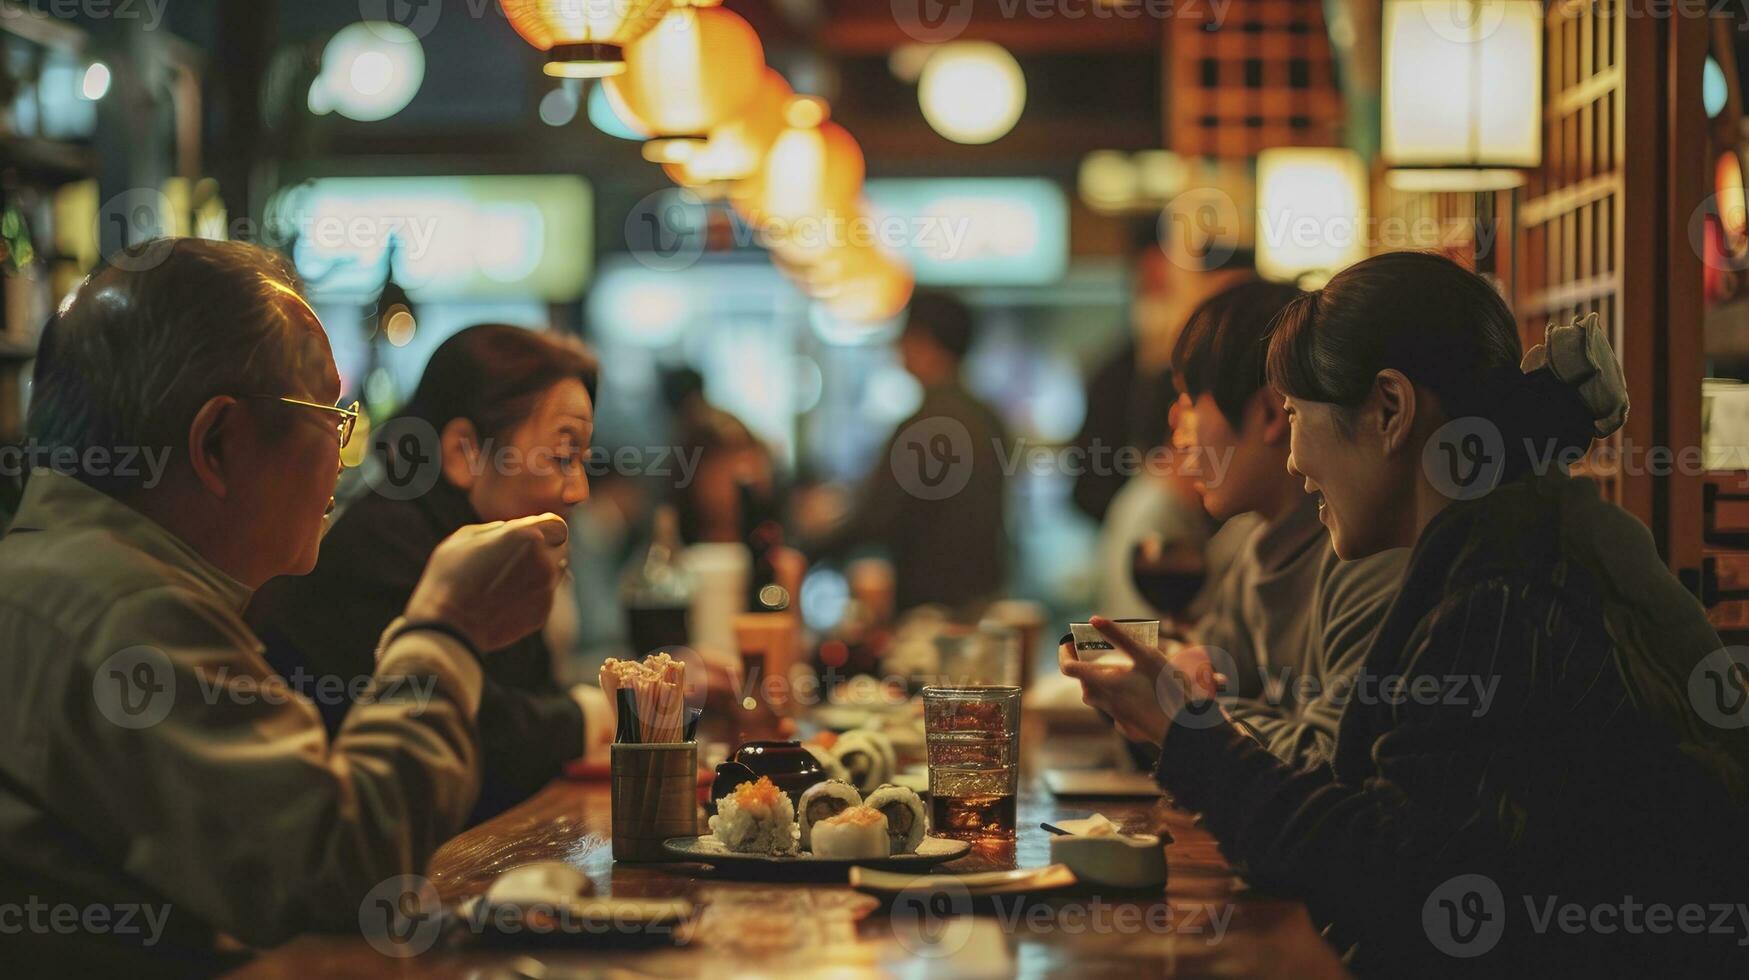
(757, 829)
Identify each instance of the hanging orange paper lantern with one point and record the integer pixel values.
(583, 38)
(877, 287)
(817, 252)
(814, 169)
(736, 148)
(694, 71)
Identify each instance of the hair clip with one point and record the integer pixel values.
(1579, 355)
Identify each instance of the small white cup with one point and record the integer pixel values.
(1090, 644)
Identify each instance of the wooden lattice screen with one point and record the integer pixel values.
(1428, 222)
(1262, 76)
(1571, 218)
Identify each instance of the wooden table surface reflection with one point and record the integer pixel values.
(776, 928)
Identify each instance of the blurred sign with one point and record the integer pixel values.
(475, 237)
(974, 231)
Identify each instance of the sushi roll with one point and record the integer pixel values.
(904, 812)
(824, 800)
(858, 832)
(832, 767)
(867, 757)
(757, 818)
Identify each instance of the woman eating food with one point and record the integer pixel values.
(512, 413)
(1509, 767)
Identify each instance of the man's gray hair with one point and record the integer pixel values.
(136, 351)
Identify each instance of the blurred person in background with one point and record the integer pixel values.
(149, 756)
(1294, 621)
(1156, 522)
(731, 466)
(513, 412)
(605, 530)
(950, 550)
(1129, 394)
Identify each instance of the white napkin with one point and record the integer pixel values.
(1098, 825)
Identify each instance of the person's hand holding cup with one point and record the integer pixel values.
(494, 582)
(1141, 695)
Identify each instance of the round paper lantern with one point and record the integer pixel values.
(878, 288)
(694, 71)
(820, 251)
(972, 91)
(583, 38)
(813, 170)
(736, 148)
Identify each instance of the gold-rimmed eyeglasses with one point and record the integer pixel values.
(348, 415)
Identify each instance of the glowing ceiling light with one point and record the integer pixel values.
(736, 148)
(369, 72)
(1108, 181)
(695, 71)
(870, 286)
(813, 172)
(583, 38)
(1714, 90)
(1463, 91)
(95, 85)
(972, 91)
(1311, 211)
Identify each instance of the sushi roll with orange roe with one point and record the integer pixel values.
(757, 818)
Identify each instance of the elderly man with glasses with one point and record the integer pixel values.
(152, 766)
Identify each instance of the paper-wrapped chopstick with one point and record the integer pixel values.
(649, 699)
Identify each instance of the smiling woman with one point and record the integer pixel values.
(1523, 583)
(498, 429)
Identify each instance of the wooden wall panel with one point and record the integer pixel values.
(1262, 76)
(1572, 221)
(1601, 227)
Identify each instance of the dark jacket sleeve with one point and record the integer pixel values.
(329, 622)
(526, 737)
(1535, 787)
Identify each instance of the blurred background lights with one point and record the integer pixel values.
(399, 326)
(1311, 212)
(1713, 88)
(369, 72)
(559, 107)
(907, 61)
(604, 116)
(1107, 180)
(95, 85)
(972, 91)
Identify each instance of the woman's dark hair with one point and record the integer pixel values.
(1221, 350)
(1444, 327)
(493, 374)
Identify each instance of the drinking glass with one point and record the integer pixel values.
(973, 738)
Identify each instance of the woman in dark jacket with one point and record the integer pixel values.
(1522, 781)
(498, 428)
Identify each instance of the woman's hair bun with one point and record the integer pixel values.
(1578, 354)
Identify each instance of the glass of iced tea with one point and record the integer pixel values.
(973, 736)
